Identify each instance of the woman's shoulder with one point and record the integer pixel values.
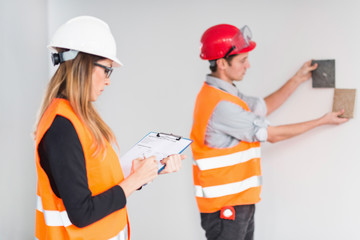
(61, 128)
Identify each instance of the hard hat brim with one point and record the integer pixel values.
(116, 63)
(249, 48)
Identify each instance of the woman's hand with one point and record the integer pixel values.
(143, 171)
(172, 163)
(146, 169)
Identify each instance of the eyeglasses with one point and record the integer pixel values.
(108, 70)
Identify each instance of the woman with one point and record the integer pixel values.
(81, 191)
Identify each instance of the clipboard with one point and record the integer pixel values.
(157, 144)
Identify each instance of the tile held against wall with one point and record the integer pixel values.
(344, 99)
(324, 75)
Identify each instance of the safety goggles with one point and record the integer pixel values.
(240, 41)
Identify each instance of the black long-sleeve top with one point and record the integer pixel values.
(62, 158)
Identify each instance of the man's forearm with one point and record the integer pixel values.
(283, 132)
(276, 99)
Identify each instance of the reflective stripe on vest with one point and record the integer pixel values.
(123, 235)
(227, 189)
(53, 218)
(59, 219)
(228, 160)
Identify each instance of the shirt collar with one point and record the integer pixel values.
(221, 84)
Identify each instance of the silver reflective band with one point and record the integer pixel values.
(227, 189)
(228, 160)
(123, 235)
(53, 218)
(59, 219)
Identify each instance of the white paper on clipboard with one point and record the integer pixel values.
(155, 144)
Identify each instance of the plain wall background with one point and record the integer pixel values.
(24, 75)
(309, 190)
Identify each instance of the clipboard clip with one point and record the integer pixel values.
(177, 137)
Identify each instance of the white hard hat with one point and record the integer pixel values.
(86, 34)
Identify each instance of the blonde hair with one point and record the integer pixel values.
(72, 81)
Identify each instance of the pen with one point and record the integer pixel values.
(162, 168)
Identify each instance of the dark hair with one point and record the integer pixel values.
(213, 64)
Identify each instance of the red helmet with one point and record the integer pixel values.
(223, 40)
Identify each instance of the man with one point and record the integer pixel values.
(227, 130)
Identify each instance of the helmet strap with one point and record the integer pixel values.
(230, 50)
(58, 58)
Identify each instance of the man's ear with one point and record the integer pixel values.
(222, 63)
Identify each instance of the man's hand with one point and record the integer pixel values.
(304, 73)
(333, 118)
(279, 133)
(276, 99)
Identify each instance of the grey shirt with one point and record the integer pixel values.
(229, 123)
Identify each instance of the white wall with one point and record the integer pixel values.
(23, 67)
(309, 181)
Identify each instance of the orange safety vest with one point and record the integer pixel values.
(222, 176)
(103, 173)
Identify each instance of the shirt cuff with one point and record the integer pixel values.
(261, 133)
(120, 196)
